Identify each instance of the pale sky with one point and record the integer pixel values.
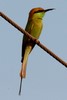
(46, 78)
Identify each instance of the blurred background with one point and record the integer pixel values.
(46, 78)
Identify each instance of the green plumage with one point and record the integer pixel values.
(33, 27)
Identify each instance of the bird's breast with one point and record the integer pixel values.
(36, 28)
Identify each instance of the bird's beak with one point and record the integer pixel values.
(49, 9)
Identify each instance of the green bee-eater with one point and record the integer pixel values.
(33, 27)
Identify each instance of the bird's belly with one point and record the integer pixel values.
(36, 30)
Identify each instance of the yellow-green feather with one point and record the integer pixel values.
(33, 27)
(24, 64)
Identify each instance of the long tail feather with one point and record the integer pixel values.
(20, 86)
(23, 66)
(24, 63)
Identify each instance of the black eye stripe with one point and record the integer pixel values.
(39, 11)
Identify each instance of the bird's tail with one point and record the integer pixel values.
(24, 63)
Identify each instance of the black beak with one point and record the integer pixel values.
(49, 9)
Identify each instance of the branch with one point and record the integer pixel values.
(33, 39)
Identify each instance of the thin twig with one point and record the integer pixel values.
(33, 39)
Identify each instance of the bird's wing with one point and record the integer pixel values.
(26, 40)
(34, 28)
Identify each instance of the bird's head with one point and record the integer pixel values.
(38, 12)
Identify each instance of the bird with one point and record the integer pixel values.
(33, 27)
